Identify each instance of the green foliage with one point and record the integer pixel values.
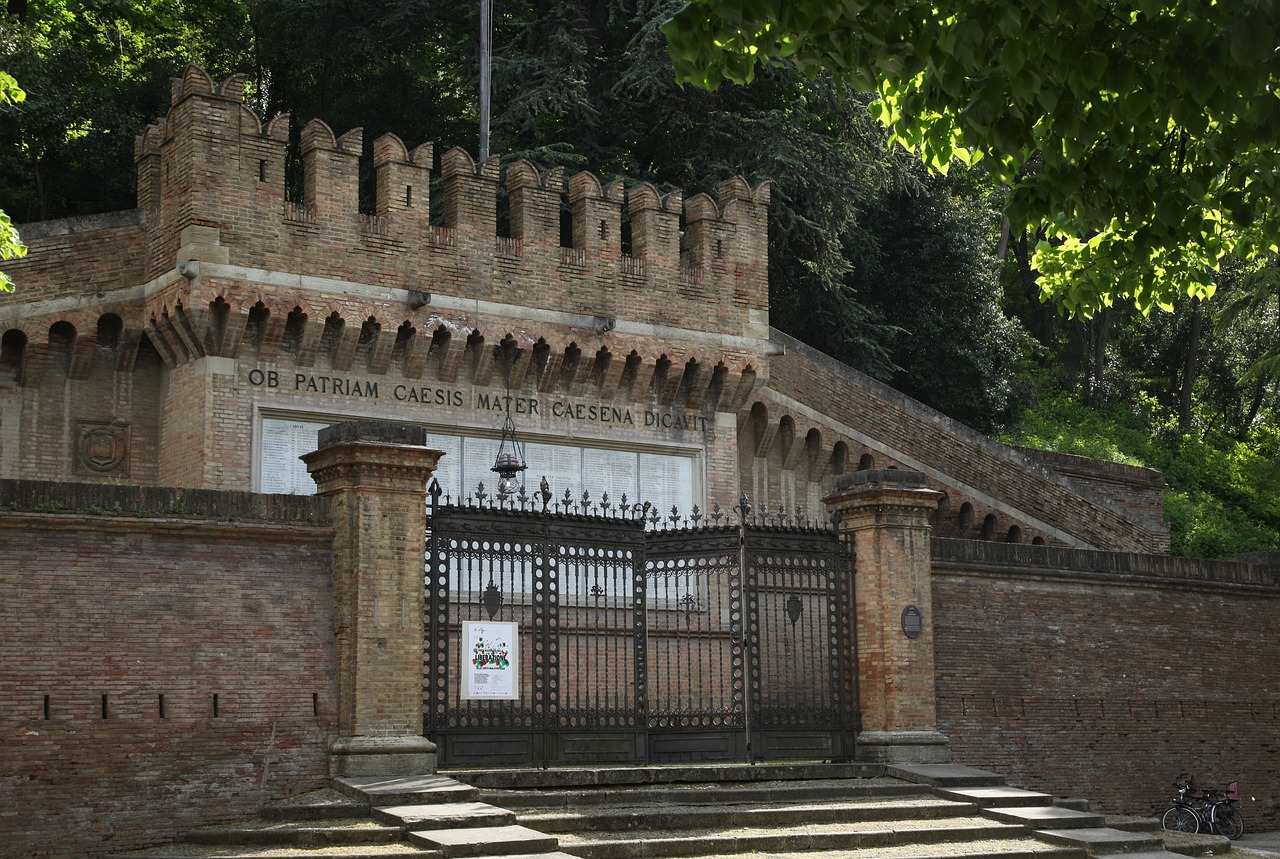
(95, 74)
(1224, 493)
(934, 274)
(1151, 120)
(854, 225)
(11, 245)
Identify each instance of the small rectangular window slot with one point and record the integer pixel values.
(104, 706)
(46, 708)
(215, 705)
(315, 703)
(408, 196)
(160, 709)
(262, 170)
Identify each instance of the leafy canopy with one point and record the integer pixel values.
(1154, 119)
(11, 245)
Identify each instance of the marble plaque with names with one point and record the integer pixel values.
(283, 441)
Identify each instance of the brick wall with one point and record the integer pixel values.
(1105, 676)
(1139, 489)
(1001, 487)
(230, 619)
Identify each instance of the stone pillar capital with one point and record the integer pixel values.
(884, 496)
(374, 455)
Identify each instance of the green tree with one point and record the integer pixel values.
(851, 230)
(936, 276)
(95, 74)
(1152, 120)
(11, 245)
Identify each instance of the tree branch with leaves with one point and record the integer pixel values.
(1154, 119)
(11, 245)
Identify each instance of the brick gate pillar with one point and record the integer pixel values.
(375, 475)
(884, 516)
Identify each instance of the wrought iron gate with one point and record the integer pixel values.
(641, 639)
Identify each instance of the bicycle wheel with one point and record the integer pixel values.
(1228, 821)
(1180, 818)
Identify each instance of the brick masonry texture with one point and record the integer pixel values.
(133, 341)
(142, 349)
(1085, 680)
(148, 619)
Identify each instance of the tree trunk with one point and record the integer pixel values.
(1190, 367)
(1101, 331)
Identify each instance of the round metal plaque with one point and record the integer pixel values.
(912, 621)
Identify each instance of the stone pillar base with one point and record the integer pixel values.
(900, 747)
(356, 757)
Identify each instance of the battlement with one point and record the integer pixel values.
(699, 263)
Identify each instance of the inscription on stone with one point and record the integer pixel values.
(342, 387)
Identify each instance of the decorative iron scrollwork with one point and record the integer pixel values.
(492, 600)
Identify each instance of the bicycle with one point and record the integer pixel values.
(1211, 811)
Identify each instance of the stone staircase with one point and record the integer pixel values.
(767, 811)
(426, 817)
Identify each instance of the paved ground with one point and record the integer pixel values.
(1264, 845)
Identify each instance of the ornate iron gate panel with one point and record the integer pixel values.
(697, 643)
(799, 603)
(697, 672)
(577, 595)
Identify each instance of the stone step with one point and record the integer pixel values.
(830, 837)
(1103, 839)
(1079, 803)
(1046, 816)
(1132, 823)
(406, 790)
(326, 804)
(995, 796)
(306, 833)
(703, 792)
(570, 777)
(485, 841)
(731, 815)
(398, 850)
(1197, 844)
(944, 775)
(443, 815)
(1013, 848)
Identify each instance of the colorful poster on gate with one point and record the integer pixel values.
(490, 661)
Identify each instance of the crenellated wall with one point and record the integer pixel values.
(143, 347)
(210, 163)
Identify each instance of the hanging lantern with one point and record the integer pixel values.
(508, 464)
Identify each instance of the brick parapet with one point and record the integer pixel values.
(1105, 674)
(975, 558)
(148, 506)
(160, 671)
